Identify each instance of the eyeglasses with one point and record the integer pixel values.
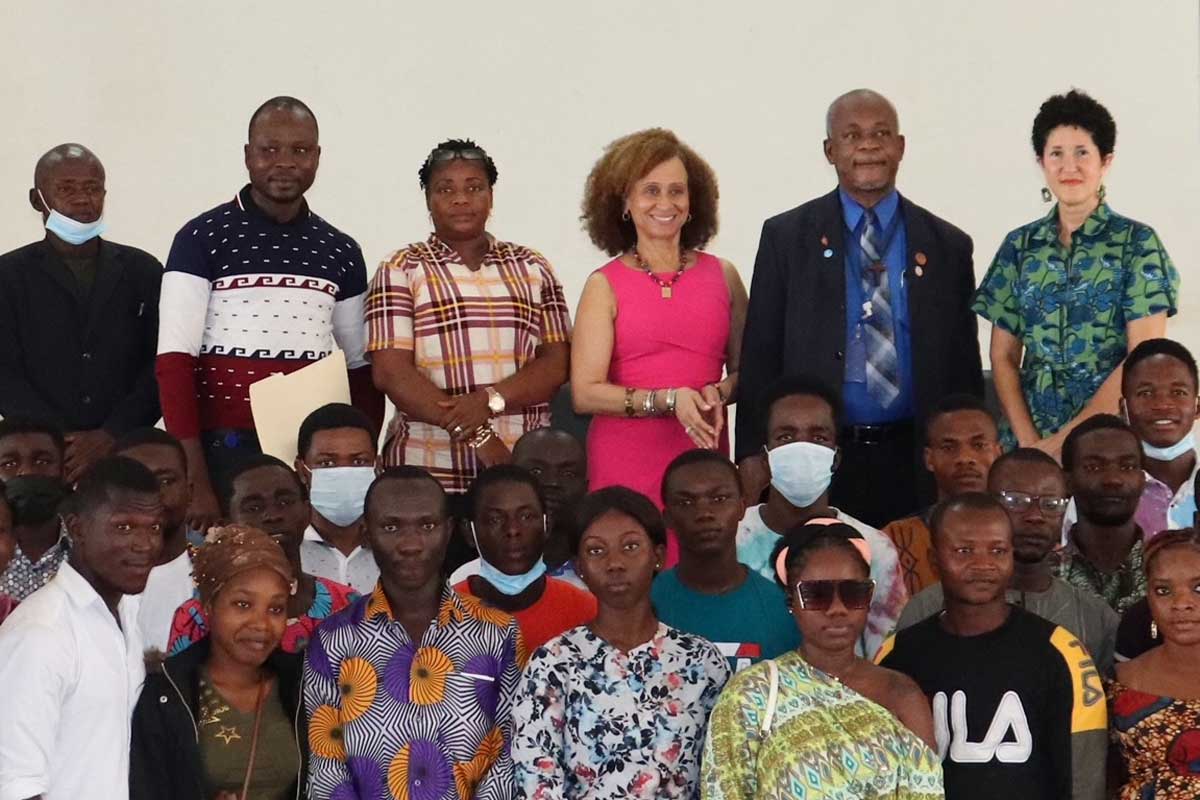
(818, 595)
(447, 154)
(1021, 502)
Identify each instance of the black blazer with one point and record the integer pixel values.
(796, 322)
(79, 366)
(164, 759)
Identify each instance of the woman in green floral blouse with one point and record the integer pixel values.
(1072, 292)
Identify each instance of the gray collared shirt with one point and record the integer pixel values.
(357, 570)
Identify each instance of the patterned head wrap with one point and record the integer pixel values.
(232, 550)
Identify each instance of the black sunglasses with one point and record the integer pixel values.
(818, 595)
(443, 154)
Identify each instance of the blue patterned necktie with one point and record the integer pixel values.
(883, 374)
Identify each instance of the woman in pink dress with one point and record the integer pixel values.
(659, 328)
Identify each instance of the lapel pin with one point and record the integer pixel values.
(920, 258)
(825, 241)
(828, 253)
(919, 272)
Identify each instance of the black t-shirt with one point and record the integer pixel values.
(1019, 712)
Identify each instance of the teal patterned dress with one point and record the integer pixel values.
(1069, 306)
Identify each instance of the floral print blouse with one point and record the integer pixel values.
(590, 721)
(1069, 306)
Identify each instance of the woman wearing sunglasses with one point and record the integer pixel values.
(468, 335)
(821, 722)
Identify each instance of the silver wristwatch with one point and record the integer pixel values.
(496, 404)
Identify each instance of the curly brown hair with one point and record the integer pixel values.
(628, 160)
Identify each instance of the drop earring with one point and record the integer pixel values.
(1153, 629)
(1046, 196)
(625, 216)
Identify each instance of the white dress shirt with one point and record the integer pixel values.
(169, 586)
(70, 677)
(357, 570)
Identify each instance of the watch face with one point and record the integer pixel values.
(495, 402)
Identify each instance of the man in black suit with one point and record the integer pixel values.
(870, 293)
(78, 317)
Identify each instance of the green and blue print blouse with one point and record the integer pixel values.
(1070, 306)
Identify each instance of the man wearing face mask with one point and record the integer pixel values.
(78, 316)
(802, 455)
(336, 459)
(31, 466)
(509, 524)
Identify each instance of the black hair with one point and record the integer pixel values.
(619, 500)
(457, 145)
(804, 385)
(13, 426)
(697, 456)
(957, 402)
(1078, 110)
(404, 472)
(251, 462)
(150, 436)
(1098, 422)
(967, 501)
(281, 103)
(327, 418)
(803, 541)
(1160, 347)
(502, 473)
(537, 433)
(1023, 455)
(106, 476)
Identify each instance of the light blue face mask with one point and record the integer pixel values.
(69, 230)
(337, 493)
(509, 585)
(1184, 445)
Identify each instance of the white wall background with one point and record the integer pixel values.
(162, 91)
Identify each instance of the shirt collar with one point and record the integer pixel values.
(245, 201)
(1094, 225)
(448, 253)
(81, 593)
(450, 608)
(1071, 552)
(852, 210)
(311, 535)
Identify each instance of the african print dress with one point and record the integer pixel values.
(1069, 306)
(825, 742)
(1159, 739)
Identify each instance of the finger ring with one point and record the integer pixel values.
(688, 430)
(458, 429)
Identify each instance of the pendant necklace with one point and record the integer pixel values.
(664, 285)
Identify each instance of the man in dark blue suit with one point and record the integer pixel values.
(870, 293)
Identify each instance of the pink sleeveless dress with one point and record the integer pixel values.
(658, 343)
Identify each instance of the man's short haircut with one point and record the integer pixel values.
(281, 103)
(967, 501)
(107, 476)
(425, 173)
(619, 500)
(538, 433)
(502, 473)
(407, 473)
(805, 386)
(1023, 455)
(1099, 422)
(252, 462)
(330, 417)
(957, 402)
(1159, 347)
(14, 426)
(698, 456)
(139, 437)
